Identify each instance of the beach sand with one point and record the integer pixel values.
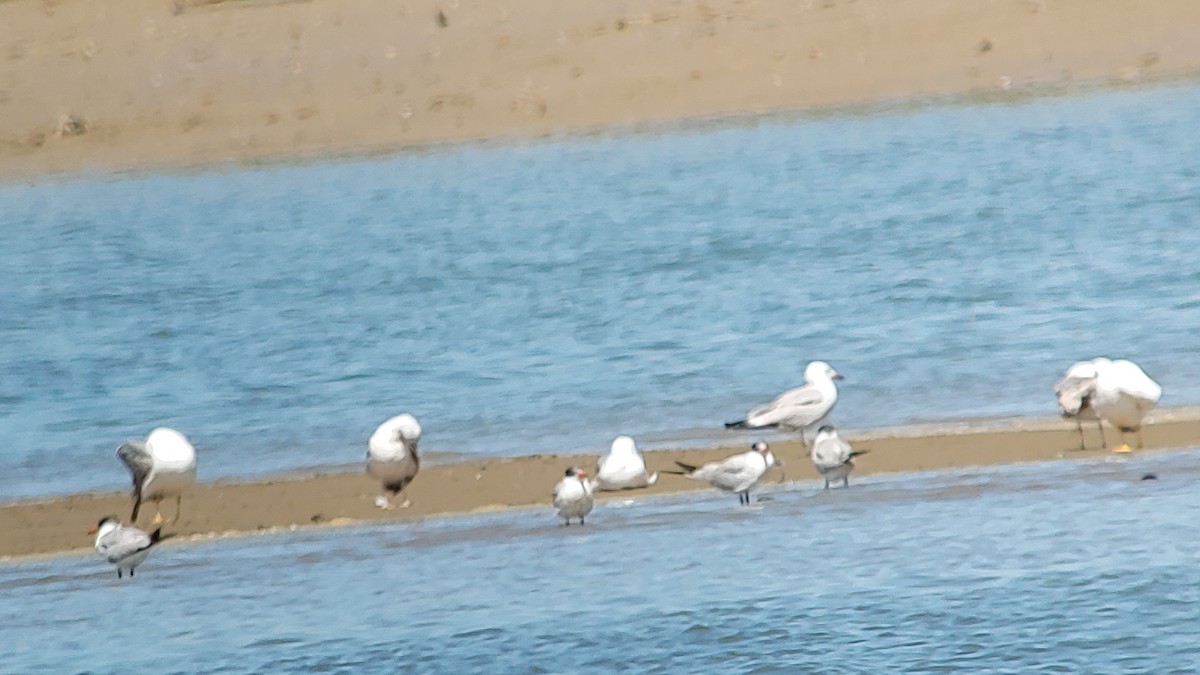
(149, 84)
(60, 525)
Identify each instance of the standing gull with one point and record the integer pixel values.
(1124, 394)
(624, 467)
(1075, 393)
(573, 495)
(801, 409)
(392, 457)
(125, 547)
(833, 457)
(162, 466)
(739, 473)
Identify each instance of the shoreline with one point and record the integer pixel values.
(145, 85)
(228, 508)
(12, 176)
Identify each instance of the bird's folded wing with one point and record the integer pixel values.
(805, 402)
(729, 472)
(124, 543)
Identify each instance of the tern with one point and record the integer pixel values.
(573, 495)
(124, 547)
(833, 457)
(739, 473)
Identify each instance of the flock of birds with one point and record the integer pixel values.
(164, 465)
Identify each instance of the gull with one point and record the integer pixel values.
(392, 457)
(125, 547)
(162, 466)
(573, 495)
(800, 409)
(739, 473)
(624, 467)
(1124, 394)
(833, 457)
(1075, 393)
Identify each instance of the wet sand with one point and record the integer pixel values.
(223, 508)
(147, 84)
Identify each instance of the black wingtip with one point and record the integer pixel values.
(686, 467)
(156, 536)
(740, 424)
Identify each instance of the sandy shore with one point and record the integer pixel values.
(105, 86)
(60, 525)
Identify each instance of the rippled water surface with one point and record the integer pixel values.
(1058, 567)
(951, 262)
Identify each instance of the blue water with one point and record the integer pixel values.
(951, 262)
(1075, 566)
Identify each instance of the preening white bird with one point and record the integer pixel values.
(1124, 395)
(624, 467)
(573, 495)
(392, 458)
(164, 465)
(802, 409)
(124, 547)
(833, 457)
(1075, 393)
(738, 473)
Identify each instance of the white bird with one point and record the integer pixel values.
(573, 495)
(162, 466)
(1075, 392)
(801, 409)
(1124, 395)
(125, 547)
(739, 473)
(392, 457)
(624, 467)
(833, 457)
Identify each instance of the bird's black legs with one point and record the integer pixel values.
(744, 498)
(130, 572)
(580, 520)
(137, 504)
(118, 572)
(1103, 440)
(846, 481)
(1079, 427)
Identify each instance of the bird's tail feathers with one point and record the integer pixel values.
(687, 469)
(157, 536)
(743, 424)
(856, 453)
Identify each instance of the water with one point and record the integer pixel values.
(951, 262)
(1055, 567)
